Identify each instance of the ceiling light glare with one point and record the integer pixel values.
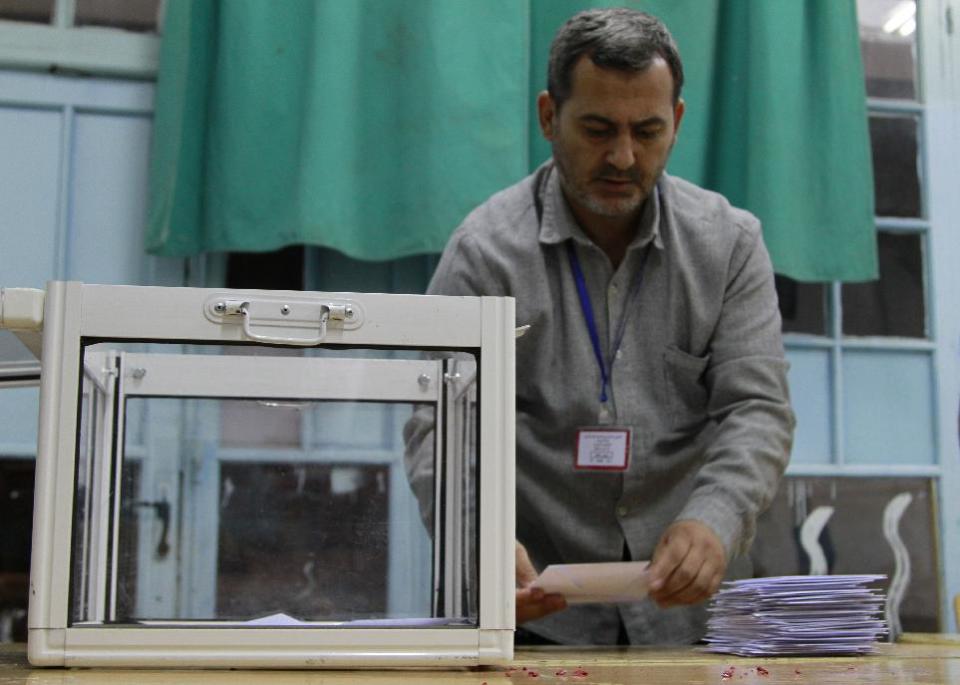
(909, 27)
(900, 16)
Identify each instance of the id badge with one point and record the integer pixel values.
(605, 448)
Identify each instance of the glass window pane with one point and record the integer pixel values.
(888, 43)
(811, 379)
(278, 270)
(893, 305)
(40, 11)
(803, 306)
(887, 400)
(133, 15)
(243, 519)
(893, 140)
(15, 355)
(853, 539)
(17, 362)
(16, 512)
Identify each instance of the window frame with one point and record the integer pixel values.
(937, 109)
(62, 46)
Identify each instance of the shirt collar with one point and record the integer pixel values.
(558, 224)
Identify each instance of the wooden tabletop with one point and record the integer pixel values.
(931, 662)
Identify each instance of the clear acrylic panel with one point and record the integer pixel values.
(896, 164)
(888, 44)
(35, 11)
(264, 423)
(132, 15)
(894, 304)
(276, 488)
(301, 555)
(261, 423)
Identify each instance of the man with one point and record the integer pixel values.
(653, 419)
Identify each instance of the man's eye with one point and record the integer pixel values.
(597, 132)
(648, 133)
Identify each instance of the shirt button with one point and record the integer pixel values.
(622, 511)
(619, 354)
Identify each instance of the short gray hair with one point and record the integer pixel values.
(617, 38)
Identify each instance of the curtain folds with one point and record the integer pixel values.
(373, 126)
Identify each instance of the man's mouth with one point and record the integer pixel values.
(616, 183)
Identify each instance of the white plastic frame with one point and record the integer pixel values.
(73, 311)
(21, 313)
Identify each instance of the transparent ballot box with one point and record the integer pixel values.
(268, 479)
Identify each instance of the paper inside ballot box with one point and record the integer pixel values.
(615, 581)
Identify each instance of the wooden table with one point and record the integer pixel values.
(925, 662)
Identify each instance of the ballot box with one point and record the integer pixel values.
(270, 479)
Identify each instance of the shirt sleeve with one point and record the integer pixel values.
(749, 403)
(463, 269)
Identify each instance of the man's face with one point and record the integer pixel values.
(612, 137)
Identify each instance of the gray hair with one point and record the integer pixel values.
(617, 38)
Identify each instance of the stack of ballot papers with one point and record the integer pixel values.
(797, 615)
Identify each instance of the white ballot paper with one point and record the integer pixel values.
(615, 581)
(795, 615)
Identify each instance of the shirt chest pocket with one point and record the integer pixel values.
(686, 394)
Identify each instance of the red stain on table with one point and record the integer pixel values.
(728, 673)
(762, 671)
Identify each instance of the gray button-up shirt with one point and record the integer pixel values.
(700, 379)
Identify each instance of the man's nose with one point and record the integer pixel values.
(621, 154)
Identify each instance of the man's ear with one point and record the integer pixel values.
(678, 111)
(547, 113)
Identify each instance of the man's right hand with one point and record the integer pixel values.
(533, 602)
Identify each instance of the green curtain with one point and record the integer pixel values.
(373, 126)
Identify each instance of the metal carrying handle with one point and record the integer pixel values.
(281, 340)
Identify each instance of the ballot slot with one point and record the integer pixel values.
(227, 485)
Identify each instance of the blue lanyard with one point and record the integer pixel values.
(587, 307)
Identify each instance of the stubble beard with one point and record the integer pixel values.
(606, 207)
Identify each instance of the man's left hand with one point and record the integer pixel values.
(688, 565)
